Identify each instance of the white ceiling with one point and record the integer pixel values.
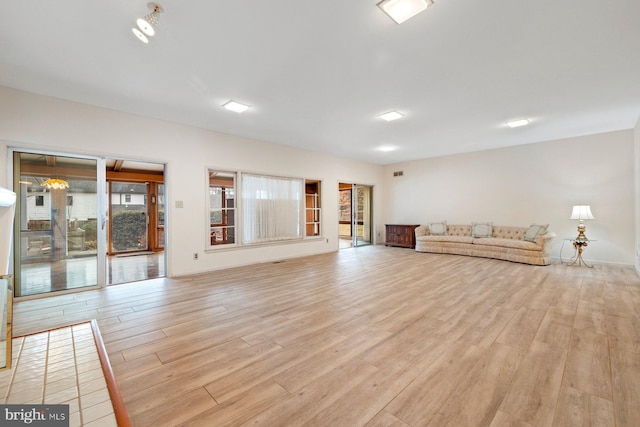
(317, 73)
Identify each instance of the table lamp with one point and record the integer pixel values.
(581, 212)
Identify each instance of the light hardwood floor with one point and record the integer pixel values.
(372, 336)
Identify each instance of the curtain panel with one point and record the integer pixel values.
(272, 208)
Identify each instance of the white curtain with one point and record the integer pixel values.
(271, 208)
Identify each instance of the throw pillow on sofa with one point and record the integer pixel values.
(481, 229)
(534, 231)
(438, 228)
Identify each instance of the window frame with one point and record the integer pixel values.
(315, 210)
(238, 208)
(211, 236)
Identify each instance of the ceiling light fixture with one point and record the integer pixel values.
(55, 184)
(518, 123)
(401, 10)
(146, 26)
(140, 35)
(391, 115)
(236, 106)
(387, 148)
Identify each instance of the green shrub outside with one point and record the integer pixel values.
(129, 230)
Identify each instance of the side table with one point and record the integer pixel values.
(579, 245)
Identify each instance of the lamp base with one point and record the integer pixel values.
(581, 236)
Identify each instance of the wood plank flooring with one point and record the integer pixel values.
(373, 336)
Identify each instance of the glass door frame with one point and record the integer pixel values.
(101, 267)
(355, 205)
(354, 219)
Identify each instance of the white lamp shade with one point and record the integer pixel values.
(582, 212)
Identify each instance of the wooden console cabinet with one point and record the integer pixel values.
(401, 235)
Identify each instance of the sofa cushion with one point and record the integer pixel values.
(459, 230)
(505, 232)
(534, 231)
(481, 229)
(507, 243)
(438, 228)
(453, 239)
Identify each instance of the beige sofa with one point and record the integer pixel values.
(506, 243)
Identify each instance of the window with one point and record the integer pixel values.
(127, 198)
(39, 200)
(69, 200)
(312, 208)
(222, 208)
(271, 208)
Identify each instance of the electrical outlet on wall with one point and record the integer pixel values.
(195, 255)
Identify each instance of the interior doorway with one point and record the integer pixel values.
(355, 219)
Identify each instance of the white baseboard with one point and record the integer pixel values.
(595, 262)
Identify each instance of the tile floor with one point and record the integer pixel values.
(60, 366)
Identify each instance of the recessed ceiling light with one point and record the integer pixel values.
(236, 106)
(401, 10)
(391, 115)
(387, 148)
(518, 123)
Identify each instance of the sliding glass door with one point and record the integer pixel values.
(355, 209)
(72, 210)
(57, 225)
(129, 217)
(361, 202)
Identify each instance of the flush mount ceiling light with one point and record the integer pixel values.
(401, 10)
(235, 106)
(391, 115)
(146, 26)
(518, 123)
(387, 148)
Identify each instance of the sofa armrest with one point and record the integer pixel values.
(545, 241)
(423, 230)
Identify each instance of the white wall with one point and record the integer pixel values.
(39, 122)
(534, 183)
(637, 193)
